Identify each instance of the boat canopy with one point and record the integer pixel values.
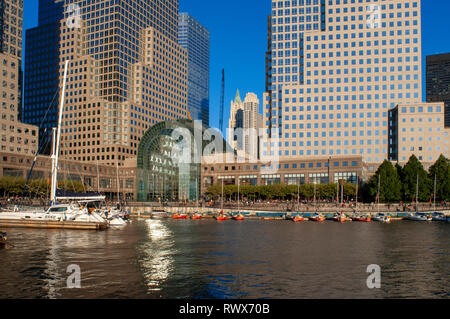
(62, 195)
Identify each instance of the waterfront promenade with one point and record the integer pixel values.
(143, 209)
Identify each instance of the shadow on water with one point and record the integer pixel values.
(230, 260)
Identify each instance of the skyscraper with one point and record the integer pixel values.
(244, 124)
(126, 73)
(194, 37)
(438, 81)
(15, 136)
(41, 82)
(336, 69)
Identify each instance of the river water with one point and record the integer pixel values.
(249, 259)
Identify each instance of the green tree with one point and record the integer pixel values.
(441, 169)
(390, 184)
(410, 172)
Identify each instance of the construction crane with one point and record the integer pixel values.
(222, 100)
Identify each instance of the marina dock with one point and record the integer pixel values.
(69, 225)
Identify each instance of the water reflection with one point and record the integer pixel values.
(157, 260)
(206, 259)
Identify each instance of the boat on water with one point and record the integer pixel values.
(221, 217)
(238, 217)
(418, 217)
(3, 240)
(317, 218)
(439, 217)
(361, 218)
(66, 216)
(180, 216)
(340, 217)
(159, 214)
(196, 216)
(298, 219)
(382, 218)
(115, 217)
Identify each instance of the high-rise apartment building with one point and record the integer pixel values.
(194, 37)
(336, 69)
(15, 136)
(244, 124)
(126, 73)
(438, 81)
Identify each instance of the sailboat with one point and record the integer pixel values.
(115, 216)
(67, 216)
(298, 218)
(221, 216)
(357, 217)
(381, 217)
(418, 217)
(239, 216)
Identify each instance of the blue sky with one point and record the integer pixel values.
(239, 40)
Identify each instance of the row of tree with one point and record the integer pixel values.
(400, 183)
(282, 192)
(11, 186)
(397, 184)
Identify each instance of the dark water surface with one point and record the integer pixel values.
(250, 259)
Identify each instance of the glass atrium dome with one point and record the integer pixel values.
(169, 160)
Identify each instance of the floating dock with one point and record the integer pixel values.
(8, 223)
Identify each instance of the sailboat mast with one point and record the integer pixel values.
(239, 190)
(98, 179)
(357, 182)
(379, 192)
(298, 195)
(315, 198)
(118, 184)
(55, 156)
(222, 196)
(435, 183)
(417, 194)
(337, 194)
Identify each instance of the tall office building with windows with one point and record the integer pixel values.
(244, 125)
(336, 68)
(126, 73)
(438, 81)
(15, 137)
(41, 82)
(194, 37)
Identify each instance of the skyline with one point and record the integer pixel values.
(240, 47)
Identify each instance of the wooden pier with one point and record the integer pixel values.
(69, 225)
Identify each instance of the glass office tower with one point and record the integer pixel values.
(41, 82)
(438, 82)
(194, 37)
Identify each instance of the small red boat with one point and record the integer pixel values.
(238, 217)
(221, 218)
(317, 218)
(297, 219)
(196, 217)
(364, 219)
(180, 216)
(340, 218)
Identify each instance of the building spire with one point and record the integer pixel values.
(237, 99)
